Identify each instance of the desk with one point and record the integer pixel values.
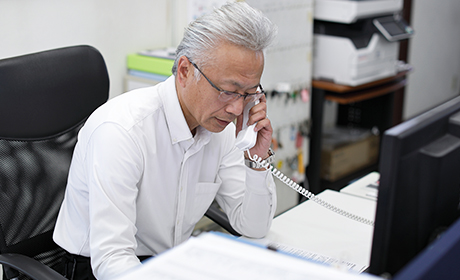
(312, 227)
(382, 93)
(307, 226)
(210, 256)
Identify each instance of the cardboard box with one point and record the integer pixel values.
(345, 151)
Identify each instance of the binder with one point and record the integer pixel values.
(150, 64)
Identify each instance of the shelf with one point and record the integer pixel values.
(366, 94)
(338, 88)
(381, 92)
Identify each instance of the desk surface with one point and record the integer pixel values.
(307, 226)
(210, 256)
(312, 227)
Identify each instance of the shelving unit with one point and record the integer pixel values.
(381, 93)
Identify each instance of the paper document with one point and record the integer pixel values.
(323, 259)
(213, 256)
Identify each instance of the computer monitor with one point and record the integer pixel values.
(438, 261)
(419, 189)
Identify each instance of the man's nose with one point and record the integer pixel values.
(236, 107)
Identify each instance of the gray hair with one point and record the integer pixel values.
(236, 23)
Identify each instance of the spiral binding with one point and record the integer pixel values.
(290, 183)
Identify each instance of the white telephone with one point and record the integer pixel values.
(247, 138)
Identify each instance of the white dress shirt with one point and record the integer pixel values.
(139, 182)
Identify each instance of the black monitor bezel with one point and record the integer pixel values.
(396, 143)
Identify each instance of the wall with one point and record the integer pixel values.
(434, 52)
(118, 27)
(115, 27)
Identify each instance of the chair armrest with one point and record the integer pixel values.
(30, 267)
(220, 218)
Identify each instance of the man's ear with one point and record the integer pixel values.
(184, 71)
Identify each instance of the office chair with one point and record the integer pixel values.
(45, 98)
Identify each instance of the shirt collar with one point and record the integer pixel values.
(178, 128)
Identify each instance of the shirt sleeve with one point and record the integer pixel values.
(113, 170)
(247, 196)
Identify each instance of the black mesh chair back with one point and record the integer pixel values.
(45, 99)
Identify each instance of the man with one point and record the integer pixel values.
(149, 163)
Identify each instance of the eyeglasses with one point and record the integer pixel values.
(230, 96)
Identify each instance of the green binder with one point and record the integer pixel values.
(151, 64)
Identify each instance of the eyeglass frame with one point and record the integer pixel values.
(231, 93)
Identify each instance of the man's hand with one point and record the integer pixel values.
(258, 114)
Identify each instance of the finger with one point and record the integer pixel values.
(264, 124)
(257, 113)
(263, 98)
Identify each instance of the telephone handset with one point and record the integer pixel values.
(246, 139)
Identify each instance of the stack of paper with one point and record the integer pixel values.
(212, 256)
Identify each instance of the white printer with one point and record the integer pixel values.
(357, 41)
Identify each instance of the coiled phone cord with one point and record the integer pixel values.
(303, 191)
